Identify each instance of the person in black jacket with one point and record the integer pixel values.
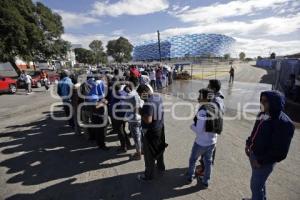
(269, 141)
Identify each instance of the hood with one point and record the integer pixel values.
(276, 102)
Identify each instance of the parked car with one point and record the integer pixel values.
(36, 79)
(8, 85)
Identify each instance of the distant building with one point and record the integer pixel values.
(71, 57)
(181, 46)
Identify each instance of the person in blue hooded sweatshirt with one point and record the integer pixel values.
(269, 141)
(98, 110)
(64, 90)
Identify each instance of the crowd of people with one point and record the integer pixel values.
(116, 100)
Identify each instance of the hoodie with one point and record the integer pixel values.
(272, 134)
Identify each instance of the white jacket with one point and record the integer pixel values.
(203, 138)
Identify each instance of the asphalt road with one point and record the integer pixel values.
(42, 158)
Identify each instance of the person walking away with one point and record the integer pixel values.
(134, 118)
(231, 73)
(154, 144)
(206, 123)
(152, 77)
(269, 141)
(64, 90)
(99, 114)
(44, 79)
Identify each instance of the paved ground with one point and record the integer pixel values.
(42, 159)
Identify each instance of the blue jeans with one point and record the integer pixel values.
(207, 153)
(159, 84)
(135, 130)
(258, 181)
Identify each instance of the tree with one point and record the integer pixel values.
(100, 56)
(273, 55)
(259, 57)
(29, 31)
(120, 49)
(248, 59)
(84, 56)
(242, 56)
(226, 56)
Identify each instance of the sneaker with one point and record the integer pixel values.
(136, 156)
(246, 199)
(203, 184)
(189, 180)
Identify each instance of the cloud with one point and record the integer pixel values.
(73, 20)
(129, 7)
(118, 32)
(271, 26)
(86, 39)
(217, 11)
(263, 47)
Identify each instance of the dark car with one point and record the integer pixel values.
(8, 85)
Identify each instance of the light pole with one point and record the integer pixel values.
(159, 51)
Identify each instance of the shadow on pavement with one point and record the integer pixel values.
(268, 78)
(117, 187)
(48, 150)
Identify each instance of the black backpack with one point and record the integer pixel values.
(214, 121)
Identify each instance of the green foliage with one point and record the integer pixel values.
(30, 31)
(259, 57)
(242, 56)
(120, 49)
(273, 55)
(99, 55)
(227, 56)
(248, 59)
(85, 56)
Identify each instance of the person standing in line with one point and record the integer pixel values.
(154, 144)
(205, 126)
(159, 77)
(64, 90)
(269, 141)
(98, 110)
(152, 76)
(134, 118)
(215, 86)
(231, 73)
(117, 108)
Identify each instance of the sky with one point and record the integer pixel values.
(259, 26)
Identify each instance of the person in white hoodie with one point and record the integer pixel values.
(206, 136)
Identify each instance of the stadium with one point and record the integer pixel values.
(195, 45)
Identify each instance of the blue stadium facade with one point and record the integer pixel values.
(183, 45)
